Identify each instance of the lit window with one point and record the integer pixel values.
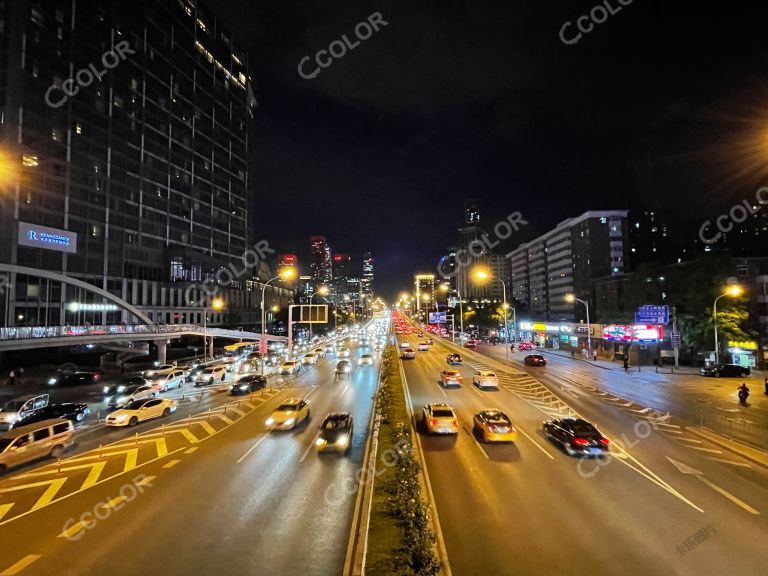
(78, 128)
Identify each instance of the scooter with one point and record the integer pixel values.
(743, 395)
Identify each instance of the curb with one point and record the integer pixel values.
(751, 453)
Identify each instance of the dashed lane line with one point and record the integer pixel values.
(171, 463)
(20, 565)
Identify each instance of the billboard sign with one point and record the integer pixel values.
(437, 317)
(650, 314)
(47, 238)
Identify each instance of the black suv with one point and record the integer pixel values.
(248, 384)
(726, 370)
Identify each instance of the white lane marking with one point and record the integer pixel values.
(314, 387)
(344, 391)
(171, 464)
(539, 446)
(709, 450)
(692, 440)
(731, 497)
(472, 435)
(311, 444)
(440, 387)
(252, 448)
(476, 391)
(733, 462)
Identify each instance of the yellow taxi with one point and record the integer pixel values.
(494, 426)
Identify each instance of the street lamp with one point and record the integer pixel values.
(323, 291)
(481, 275)
(570, 298)
(285, 274)
(216, 305)
(732, 291)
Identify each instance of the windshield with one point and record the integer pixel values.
(286, 407)
(442, 413)
(135, 405)
(13, 405)
(497, 418)
(334, 423)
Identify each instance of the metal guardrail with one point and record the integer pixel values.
(36, 332)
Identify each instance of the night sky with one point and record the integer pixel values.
(661, 106)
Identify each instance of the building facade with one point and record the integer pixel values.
(131, 126)
(321, 266)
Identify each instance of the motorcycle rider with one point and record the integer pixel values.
(743, 393)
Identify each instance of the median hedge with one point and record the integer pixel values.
(400, 541)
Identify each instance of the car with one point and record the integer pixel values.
(248, 384)
(20, 408)
(440, 419)
(525, 345)
(420, 334)
(576, 436)
(408, 354)
(494, 426)
(289, 414)
(343, 367)
(164, 381)
(309, 359)
(77, 378)
(73, 411)
(470, 344)
(450, 378)
(119, 395)
(248, 366)
(335, 433)
(141, 410)
(289, 367)
(210, 374)
(404, 344)
(454, 359)
(727, 370)
(33, 441)
(330, 350)
(485, 379)
(366, 359)
(157, 370)
(343, 352)
(423, 347)
(535, 360)
(319, 352)
(429, 341)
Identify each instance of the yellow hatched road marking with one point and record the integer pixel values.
(130, 459)
(4, 508)
(228, 421)
(190, 450)
(191, 438)
(53, 471)
(72, 530)
(93, 475)
(162, 447)
(171, 464)
(20, 565)
(208, 428)
(50, 493)
(144, 481)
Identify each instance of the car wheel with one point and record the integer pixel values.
(57, 451)
(154, 394)
(166, 412)
(133, 421)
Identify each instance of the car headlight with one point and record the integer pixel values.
(106, 389)
(121, 388)
(343, 440)
(290, 421)
(121, 417)
(52, 381)
(320, 442)
(270, 421)
(243, 386)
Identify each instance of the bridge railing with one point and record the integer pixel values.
(35, 332)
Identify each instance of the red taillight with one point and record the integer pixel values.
(455, 423)
(581, 442)
(432, 422)
(96, 377)
(605, 441)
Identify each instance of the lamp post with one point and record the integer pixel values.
(216, 304)
(732, 291)
(285, 274)
(571, 298)
(323, 291)
(481, 275)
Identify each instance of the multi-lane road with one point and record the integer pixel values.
(666, 501)
(211, 492)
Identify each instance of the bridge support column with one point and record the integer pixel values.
(210, 347)
(162, 345)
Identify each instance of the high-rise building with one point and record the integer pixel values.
(474, 251)
(424, 291)
(130, 123)
(322, 271)
(471, 212)
(366, 281)
(567, 260)
(342, 268)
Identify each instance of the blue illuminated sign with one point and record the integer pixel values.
(48, 238)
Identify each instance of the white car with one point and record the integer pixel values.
(423, 347)
(289, 414)
(209, 375)
(309, 359)
(114, 396)
(157, 371)
(167, 380)
(289, 367)
(440, 419)
(343, 352)
(366, 359)
(485, 379)
(141, 410)
(404, 344)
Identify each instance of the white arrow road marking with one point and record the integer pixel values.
(685, 469)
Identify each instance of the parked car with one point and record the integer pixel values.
(494, 426)
(141, 410)
(535, 360)
(335, 433)
(726, 370)
(576, 436)
(485, 379)
(440, 419)
(248, 384)
(78, 378)
(117, 395)
(73, 411)
(22, 407)
(34, 441)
